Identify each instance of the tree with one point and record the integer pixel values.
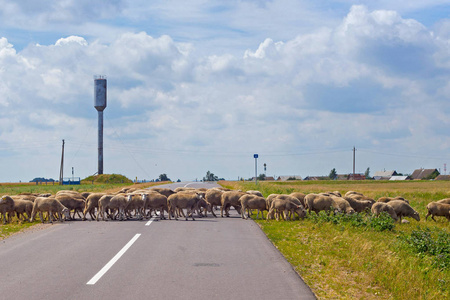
(367, 173)
(262, 177)
(333, 174)
(210, 177)
(163, 177)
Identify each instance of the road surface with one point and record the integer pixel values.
(210, 258)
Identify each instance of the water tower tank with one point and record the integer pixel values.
(100, 92)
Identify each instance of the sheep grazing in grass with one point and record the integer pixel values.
(22, 207)
(388, 199)
(445, 201)
(350, 193)
(359, 205)
(6, 208)
(300, 196)
(317, 203)
(380, 207)
(229, 199)
(343, 205)
(253, 192)
(403, 209)
(51, 206)
(438, 209)
(252, 201)
(288, 205)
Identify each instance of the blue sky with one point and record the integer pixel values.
(205, 86)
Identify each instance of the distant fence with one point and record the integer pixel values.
(71, 181)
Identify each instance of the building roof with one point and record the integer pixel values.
(422, 173)
(400, 178)
(443, 177)
(285, 178)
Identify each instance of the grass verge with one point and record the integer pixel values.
(354, 258)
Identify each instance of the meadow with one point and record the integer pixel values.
(361, 257)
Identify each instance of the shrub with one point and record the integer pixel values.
(425, 242)
(382, 222)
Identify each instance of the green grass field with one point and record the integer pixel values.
(359, 257)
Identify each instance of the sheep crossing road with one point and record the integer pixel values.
(211, 258)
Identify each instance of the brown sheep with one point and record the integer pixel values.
(165, 191)
(254, 192)
(154, 201)
(214, 198)
(6, 208)
(230, 198)
(22, 207)
(317, 203)
(299, 196)
(286, 205)
(379, 207)
(51, 206)
(252, 201)
(350, 193)
(118, 203)
(446, 201)
(103, 204)
(403, 209)
(91, 204)
(359, 205)
(343, 205)
(72, 202)
(438, 209)
(182, 201)
(388, 199)
(136, 202)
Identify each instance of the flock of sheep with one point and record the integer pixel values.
(142, 203)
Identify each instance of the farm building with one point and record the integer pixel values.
(443, 177)
(425, 174)
(384, 175)
(316, 178)
(290, 177)
(400, 178)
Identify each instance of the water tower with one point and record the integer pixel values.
(100, 105)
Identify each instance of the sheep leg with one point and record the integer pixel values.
(432, 216)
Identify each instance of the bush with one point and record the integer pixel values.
(425, 242)
(382, 222)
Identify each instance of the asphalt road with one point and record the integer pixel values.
(210, 258)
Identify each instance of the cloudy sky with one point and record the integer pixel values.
(204, 86)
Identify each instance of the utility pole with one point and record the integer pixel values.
(61, 170)
(256, 168)
(354, 150)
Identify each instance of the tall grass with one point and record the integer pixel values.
(342, 257)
